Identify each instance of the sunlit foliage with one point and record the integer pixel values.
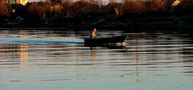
(134, 6)
(37, 10)
(83, 9)
(4, 10)
(62, 10)
(114, 8)
(67, 8)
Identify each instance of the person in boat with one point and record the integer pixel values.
(93, 33)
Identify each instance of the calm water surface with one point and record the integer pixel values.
(58, 60)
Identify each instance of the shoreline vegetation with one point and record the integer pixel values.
(138, 14)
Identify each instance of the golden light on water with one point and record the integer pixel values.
(175, 3)
(93, 52)
(23, 47)
(24, 55)
(24, 50)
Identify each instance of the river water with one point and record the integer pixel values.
(40, 59)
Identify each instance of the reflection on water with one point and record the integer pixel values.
(58, 60)
(23, 49)
(93, 52)
(24, 55)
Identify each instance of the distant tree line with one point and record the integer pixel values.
(55, 10)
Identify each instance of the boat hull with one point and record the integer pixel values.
(104, 41)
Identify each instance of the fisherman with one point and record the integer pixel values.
(93, 34)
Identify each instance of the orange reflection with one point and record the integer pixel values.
(23, 32)
(24, 51)
(78, 55)
(93, 53)
(137, 56)
(24, 55)
(137, 49)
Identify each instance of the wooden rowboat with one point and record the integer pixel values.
(104, 41)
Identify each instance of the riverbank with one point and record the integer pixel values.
(136, 23)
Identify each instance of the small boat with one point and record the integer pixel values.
(104, 41)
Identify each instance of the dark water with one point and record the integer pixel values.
(58, 60)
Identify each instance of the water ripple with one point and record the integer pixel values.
(41, 59)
